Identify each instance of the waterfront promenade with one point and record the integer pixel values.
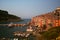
(12, 25)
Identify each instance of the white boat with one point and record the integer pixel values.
(10, 24)
(29, 29)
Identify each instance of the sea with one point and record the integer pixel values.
(6, 32)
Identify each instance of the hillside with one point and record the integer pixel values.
(47, 20)
(6, 17)
(48, 25)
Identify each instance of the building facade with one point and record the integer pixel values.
(48, 20)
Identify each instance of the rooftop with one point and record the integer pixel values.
(58, 8)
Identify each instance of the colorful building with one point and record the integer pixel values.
(48, 20)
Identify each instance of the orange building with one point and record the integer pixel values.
(51, 19)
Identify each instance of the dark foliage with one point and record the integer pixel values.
(4, 16)
(52, 33)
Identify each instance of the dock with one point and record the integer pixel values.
(10, 25)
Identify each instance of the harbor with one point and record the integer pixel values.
(26, 32)
(13, 31)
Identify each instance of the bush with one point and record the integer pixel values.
(52, 33)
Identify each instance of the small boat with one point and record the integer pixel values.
(10, 24)
(29, 29)
(21, 34)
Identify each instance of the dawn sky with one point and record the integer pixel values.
(28, 8)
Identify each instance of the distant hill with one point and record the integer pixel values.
(5, 17)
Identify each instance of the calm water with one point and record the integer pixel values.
(5, 31)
